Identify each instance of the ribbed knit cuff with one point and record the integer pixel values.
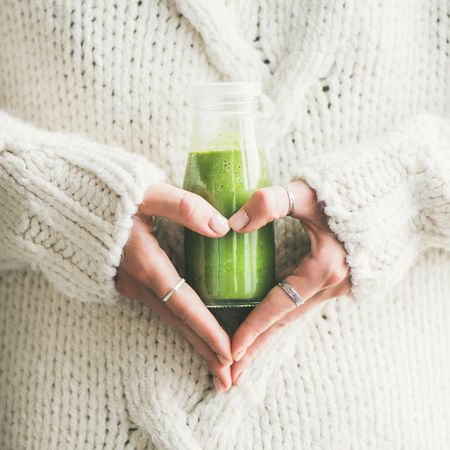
(67, 205)
(374, 196)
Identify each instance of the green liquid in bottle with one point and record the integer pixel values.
(237, 269)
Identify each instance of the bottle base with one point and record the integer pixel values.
(231, 318)
(238, 303)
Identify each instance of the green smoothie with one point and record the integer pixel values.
(237, 269)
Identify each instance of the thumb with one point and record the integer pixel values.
(264, 206)
(185, 208)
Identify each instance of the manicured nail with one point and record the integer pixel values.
(219, 224)
(239, 355)
(218, 385)
(239, 220)
(238, 379)
(223, 360)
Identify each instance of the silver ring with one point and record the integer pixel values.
(173, 290)
(291, 292)
(291, 200)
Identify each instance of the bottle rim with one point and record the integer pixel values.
(225, 90)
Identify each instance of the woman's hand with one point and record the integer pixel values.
(147, 274)
(320, 275)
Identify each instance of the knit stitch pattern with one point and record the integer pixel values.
(67, 205)
(389, 203)
(94, 110)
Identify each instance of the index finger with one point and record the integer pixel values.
(185, 208)
(307, 280)
(151, 266)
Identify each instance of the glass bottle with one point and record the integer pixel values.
(226, 164)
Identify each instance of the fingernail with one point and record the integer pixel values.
(218, 385)
(238, 379)
(239, 220)
(239, 355)
(219, 224)
(223, 360)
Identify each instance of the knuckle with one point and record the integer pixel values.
(263, 199)
(145, 271)
(330, 261)
(336, 275)
(188, 205)
(142, 273)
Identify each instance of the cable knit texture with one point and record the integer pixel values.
(94, 111)
(389, 203)
(67, 205)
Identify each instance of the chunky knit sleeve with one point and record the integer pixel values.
(66, 205)
(387, 200)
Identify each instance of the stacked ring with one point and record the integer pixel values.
(291, 292)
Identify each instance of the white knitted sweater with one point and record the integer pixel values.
(361, 94)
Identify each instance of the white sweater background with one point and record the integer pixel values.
(93, 106)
